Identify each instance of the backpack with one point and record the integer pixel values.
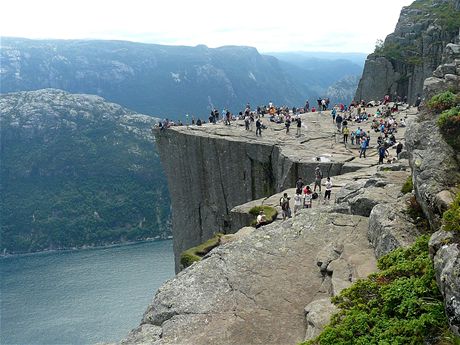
(314, 196)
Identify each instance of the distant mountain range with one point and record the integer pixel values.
(169, 81)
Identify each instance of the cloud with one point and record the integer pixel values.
(334, 25)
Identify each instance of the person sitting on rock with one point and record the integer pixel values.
(261, 219)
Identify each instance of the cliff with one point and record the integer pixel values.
(412, 52)
(213, 168)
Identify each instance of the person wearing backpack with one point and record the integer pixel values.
(318, 177)
(284, 203)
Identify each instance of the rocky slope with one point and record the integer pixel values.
(436, 175)
(77, 170)
(412, 52)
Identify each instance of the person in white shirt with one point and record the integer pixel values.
(327, 194)
(297, 202)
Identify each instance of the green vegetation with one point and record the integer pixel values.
(65, 188)
(443, 101)
(400, 304)
(270, 213)
(448, 104)
(449, 125)
(445, 12)
(408, 186)
(451, 217)
(194, 254)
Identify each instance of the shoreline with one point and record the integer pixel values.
(73, 249)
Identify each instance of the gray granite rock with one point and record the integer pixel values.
(390, 227)
(255, 288)
(317, 315)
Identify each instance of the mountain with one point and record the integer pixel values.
(77, 170)
(412, 52)
(148, 78)
(169, 81)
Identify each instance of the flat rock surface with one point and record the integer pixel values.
(254, 290)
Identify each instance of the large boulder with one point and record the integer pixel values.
(390, 227)
(446, 250)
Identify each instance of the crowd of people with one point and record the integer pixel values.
(381, 119)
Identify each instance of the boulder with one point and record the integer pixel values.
(447, 266)
(317, 315)
(390, 227)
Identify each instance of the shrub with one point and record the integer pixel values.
(194, 254)
(401, 304)
(407, 186)
(449, 125)
(443, 101)
(270, 213)
(415, 211)
(451, 217)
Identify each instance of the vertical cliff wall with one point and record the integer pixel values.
(211, 169)
(412, 52)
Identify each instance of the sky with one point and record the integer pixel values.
(269, 25)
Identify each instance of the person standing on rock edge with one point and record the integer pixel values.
(318, 177)
(364, 144)
(327, 194)
(399, 148)
(299, 185)
(299, 126)
(258, 127)
(382, 153)
(297, 202)
(284, 203)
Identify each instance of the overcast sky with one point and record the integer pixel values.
(269, 25)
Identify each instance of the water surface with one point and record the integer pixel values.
(80, 297)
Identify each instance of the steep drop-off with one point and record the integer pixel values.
(212, 169)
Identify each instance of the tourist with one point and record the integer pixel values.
(299, 126)
(327, 194)
(299, 185)
(399, 148)
(338, 121)
(307, 201)
(287, 123)
(382, 153)
(261, 219)
(364, 144)
(318, 177)
(259, 127)
(297, 201)
(284, 203)
(346, 132)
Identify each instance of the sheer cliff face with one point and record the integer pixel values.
(412, 52)
(211, 171)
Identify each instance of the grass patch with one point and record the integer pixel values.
(270, 213)
(451, 217)
(449, 125)
(194, 254)
(401, 304)
(408, 186)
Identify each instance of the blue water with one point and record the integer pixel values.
(80, 297)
